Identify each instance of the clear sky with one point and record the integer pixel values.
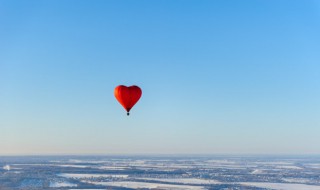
(218, 77)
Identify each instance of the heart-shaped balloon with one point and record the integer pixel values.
(127, 96)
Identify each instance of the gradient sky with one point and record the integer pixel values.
(218, 77)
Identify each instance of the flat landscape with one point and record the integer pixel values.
(160, 172)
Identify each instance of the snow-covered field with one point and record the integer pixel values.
(289, 167)
(113, 167)
(183, 180)
(56, 165)
(72, 166)
(62, 184)
(135, 185)
(176, 173)
(296, 180)
(79, 176)
(314, 165)
(257, 171)
(282, 186)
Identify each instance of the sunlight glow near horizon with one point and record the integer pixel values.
(218, 77)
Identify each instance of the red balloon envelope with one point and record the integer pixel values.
(127, 96)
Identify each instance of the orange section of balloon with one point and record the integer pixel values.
(127, 96)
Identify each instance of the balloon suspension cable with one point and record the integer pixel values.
(128, 113)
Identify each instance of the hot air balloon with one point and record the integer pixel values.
(127, 96)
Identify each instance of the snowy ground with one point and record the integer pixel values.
(131, 184)
(62, 184)
(79, 176)
(282, 186)
(183, 180)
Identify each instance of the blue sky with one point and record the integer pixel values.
(218, 77)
